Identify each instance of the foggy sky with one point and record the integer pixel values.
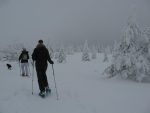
(101, 21)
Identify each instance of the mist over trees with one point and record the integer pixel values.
(130, 56)
(88, 50)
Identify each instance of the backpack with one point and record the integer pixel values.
(24, 56)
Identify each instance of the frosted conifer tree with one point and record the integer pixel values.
(56, 55)
(61, 56)
(105, 56)
(130, 57)
(85, 53)
(146, 34)
(94, 53)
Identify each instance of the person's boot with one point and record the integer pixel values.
(48, 90)
(23, 74)
(42, 94)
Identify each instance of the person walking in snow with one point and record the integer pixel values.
(23, 58)
(41, 55)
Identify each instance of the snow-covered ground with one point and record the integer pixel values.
(81, 86)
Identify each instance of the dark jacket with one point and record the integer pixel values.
(24, 56)
(41, 55)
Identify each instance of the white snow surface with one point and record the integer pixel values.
(81, 87)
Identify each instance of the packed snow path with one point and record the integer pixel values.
(81, 87)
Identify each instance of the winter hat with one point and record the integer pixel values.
(24, 49)
(40, 41)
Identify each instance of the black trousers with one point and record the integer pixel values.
(41, 75)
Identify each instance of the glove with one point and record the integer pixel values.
(51, 62)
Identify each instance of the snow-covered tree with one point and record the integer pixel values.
(130, 57)
(106, 52)
(61, 56)
(94, 52)
(56, 55)
(85, 53)
(146, 34)
(105, 56)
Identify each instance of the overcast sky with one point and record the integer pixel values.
(96, 20)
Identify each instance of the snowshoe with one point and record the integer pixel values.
(42, 94)
(48, 91)
(23, 75)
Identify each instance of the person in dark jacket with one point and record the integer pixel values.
(41, 55)
(23, 58)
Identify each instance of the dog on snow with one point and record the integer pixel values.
(9, 66)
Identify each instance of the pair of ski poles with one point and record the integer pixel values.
(54, 81)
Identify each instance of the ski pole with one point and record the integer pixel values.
(55, 81)
(32, 76)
